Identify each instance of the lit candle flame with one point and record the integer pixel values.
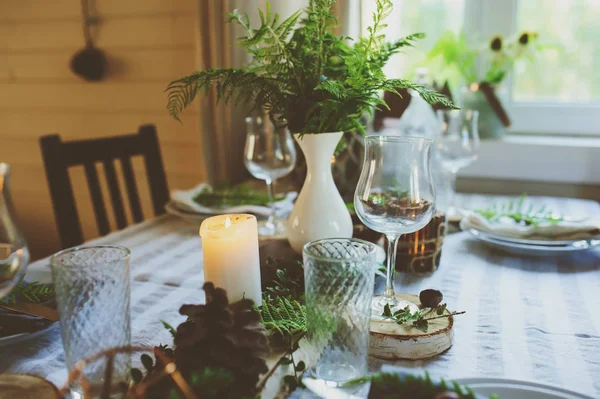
(227, 222)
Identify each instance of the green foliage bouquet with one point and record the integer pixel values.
(304, 73)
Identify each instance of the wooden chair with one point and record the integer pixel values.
(59, 156)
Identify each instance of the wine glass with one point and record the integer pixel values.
(395, 196)
(14, 254)
(456, 144)
(268, 155)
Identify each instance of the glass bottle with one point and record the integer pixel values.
(420, 252)
(14, 254)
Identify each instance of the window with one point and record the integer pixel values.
(568, 70)
(559, 93)
(432, 17)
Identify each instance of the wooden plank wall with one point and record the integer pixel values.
(148, 42)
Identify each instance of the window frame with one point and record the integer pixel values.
(563, 134)
(486, 18)
(490, 17)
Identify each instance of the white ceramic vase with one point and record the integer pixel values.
(319, 212)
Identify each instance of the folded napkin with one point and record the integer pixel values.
(184, 200)
(563, 230)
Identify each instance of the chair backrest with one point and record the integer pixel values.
(59, 156)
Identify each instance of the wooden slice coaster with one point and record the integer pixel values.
(392, 341)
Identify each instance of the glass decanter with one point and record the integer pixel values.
(14, 254)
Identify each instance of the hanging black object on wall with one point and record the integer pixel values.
(89, 63)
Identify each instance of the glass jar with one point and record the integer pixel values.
(421, 251)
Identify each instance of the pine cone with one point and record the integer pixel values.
(223, 335)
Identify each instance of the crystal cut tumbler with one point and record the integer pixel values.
(339, 277)
(92, 286)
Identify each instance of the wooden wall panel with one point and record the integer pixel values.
(144, 32)
(27, 10)
(85, 96)
(134, 65)
(148, 43)
(89, 125)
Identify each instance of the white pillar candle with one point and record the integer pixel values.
(231, 260)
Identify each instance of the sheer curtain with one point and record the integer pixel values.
(222, 125)
(347, 11)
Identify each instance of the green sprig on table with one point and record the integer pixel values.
(286, 316)
(397, 386)
(284, 285)
(521, 212)
(225, 196)
(419, 319)
(283, 310)
(33, 292)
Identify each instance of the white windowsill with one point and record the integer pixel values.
(574, 160)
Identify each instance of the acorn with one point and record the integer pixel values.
(430, 298)
(496, 43)
(524, 38)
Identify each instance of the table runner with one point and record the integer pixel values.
(527, 318)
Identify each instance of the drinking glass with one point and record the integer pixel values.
(268, 155)
(93, 295)
(339, 284)
(14, 254)
(456, 144)
(395, 196)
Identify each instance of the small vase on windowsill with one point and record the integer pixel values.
(490, 126)
(319, 212)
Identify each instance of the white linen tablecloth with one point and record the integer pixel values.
(534, 319)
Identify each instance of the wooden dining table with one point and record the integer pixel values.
(528, 318)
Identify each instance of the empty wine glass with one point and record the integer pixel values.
(14, 254)
(395, 196)
(269, 154)
(456, 144)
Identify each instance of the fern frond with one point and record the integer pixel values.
(33, 292)
(228, 82)
(413, 386)
(304, 72)
(282, 315)
(429, 95)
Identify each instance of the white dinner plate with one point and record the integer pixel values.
(189, 217)
(192, 217)
(513, 389)
(526, 241)
(530, 247)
